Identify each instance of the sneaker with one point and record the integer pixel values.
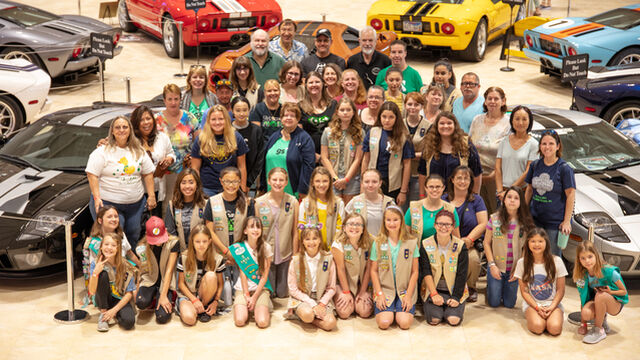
(290, 315)
(103, 326)
(204, 317)
(594, 336)
(583, 329)
(605, 326)
(473, 295)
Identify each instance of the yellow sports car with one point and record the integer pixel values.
(460, 25)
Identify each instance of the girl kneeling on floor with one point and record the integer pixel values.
(350, 251)
(601, 289)
(200, 271)
(113, 281)
(542, 277)
(310, 296)
(253, 256)
(394, 271)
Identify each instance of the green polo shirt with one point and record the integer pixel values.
(270, 69)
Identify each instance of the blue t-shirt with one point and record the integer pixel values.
(211, 167)
(468, 221)
(549, 184)
(446, 163)
(465, 116)
(383, 154)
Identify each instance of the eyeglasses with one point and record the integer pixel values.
(469, 84)
(444, 225)
(359, 225)
(231, 182)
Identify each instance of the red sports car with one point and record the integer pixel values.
(219, 21)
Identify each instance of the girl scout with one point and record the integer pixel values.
(371, 203)
(186, 209)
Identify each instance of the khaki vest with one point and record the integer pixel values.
(220, 220)
(334, 150)
(148, 259)
(286, 222)
(499, 243)
(448, 103)
(354, 265)
(251, 95)
(438, 269)
(464, 159)
(391, 288)
(416, 139)
(322, 273)
(192, 279)
(131, 273)
(417, 222)
(332, 220)
(196, 219)
(395, 159)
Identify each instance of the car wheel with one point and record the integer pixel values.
(478, 46)
(629, 109)
(11, 116)
(626, 56)
(170, 37)
(22, 53)
(123, 17)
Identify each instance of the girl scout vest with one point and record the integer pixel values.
(322, 273)
(285, 220)
(118, 290)
(332, 220)
(499, 243)
(417, 222)
(398, 287)
(150, 268)
(334, 150)
(221, 222)
(251, 95)
(354, 264)
(192, 279)
(196, 218)
(395, 159)
(416, 139)
(463, 158)
(448, 269)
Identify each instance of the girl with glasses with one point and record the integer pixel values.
(421, 213)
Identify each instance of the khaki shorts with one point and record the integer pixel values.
(263, 299)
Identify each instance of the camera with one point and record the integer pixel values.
(478, 244)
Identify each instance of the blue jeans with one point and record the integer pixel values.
(210, 192)
(130, 217)
(552, 233)
(501, 290)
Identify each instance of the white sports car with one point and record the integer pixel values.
(23, 93)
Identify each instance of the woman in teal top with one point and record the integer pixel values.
(421, 215)
(197, 98)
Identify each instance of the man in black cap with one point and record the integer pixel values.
(322, 56)
(368, 62)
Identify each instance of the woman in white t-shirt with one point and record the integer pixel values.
(542, 279)
(116, 172)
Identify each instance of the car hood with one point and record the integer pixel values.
(413, 8)
(69, 28)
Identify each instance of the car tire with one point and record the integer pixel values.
(478, 46)
(629, 109)
(123, 17)
(12, 52)
(626, 56)
(170, 37)
(11, 115)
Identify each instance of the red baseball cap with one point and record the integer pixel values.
(156, 231)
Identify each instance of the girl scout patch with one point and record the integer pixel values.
(422, 131)
(432, 259)
(406, 254)
(287, 206)
(264, 210)
(325, 265)
(455, 247)
(200, 213)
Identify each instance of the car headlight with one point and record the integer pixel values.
(622, 261)
(28, 260)
(603, 225)
(45, 223)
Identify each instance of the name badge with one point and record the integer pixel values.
(384, 247)
(265, 210)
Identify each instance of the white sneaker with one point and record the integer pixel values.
(605, 326)
(103, 326)
(594, 336)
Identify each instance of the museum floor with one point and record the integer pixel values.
(28, 330)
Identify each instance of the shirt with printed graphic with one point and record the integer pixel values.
(297, 52)
(549, 184)
(181, 136)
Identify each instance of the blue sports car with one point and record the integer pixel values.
(610, 38)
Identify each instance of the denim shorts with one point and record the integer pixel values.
(396, 306)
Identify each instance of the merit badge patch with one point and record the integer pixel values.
(325, 266)
(239, 250)
(406, 254)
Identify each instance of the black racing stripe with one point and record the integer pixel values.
(425, 9)
(300, 26)
(311, 28)
(412, 10)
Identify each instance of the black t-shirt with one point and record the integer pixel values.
(268, 119)
(368, 72)
(313, 63)
(252, 136)
(314, 124)
(230, 210)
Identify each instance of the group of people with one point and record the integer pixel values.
(348, 187)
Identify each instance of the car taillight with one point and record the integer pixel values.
(376, 24)
(448, 28)
(272, 20)
(203, 25)
(529, 40)
(572, 51)
(76, 52)
(116, 38)
(589, 109)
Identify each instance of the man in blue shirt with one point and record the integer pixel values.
(465, 108)
(285, 45)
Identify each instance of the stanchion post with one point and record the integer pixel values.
(127, 81)
(101, 78)
(507, 39)
(71, 315)
(79, 8)
(568, 8)
(181, 74)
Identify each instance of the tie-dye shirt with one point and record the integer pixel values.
(181, 136)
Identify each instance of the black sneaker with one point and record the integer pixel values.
(204, 317)
(473, 295)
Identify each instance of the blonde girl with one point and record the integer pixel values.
(253, 256)
(601, 290)
(113, 282)
(394, 274)
(186, 208)
(310, 296)
(542, 277)
(350, 252)
(199, 278)
(322, 207)
(278, 212)
(218, 146)
(371, 203)
(341, 149)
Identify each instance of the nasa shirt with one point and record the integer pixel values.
(542, 290)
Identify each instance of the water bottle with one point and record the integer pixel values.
(563, 239)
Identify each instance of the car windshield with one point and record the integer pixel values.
(52, 145)
(26, 15)
(595, 147)
(618, 18)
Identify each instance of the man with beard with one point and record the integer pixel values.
(322, 56)
(266, 64)
(368, 62)
(285, 45)
(466, 107)
(411, 80)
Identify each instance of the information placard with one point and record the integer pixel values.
(194, 4)
(575, 67)
(102, 45)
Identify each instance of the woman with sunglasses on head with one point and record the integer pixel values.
(244, 81)
(197, 98)
(551, 190)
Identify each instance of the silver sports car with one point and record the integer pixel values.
(57, 44)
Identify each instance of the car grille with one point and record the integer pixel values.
(551, 46)
(229, 23)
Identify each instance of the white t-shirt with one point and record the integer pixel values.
(313, 263)
(268, 253)
(373, 217)
(119, 173)
(542, 291)
(514, 162)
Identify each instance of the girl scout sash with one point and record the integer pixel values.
(246, 263)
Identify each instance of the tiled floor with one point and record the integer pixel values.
(27, 329)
